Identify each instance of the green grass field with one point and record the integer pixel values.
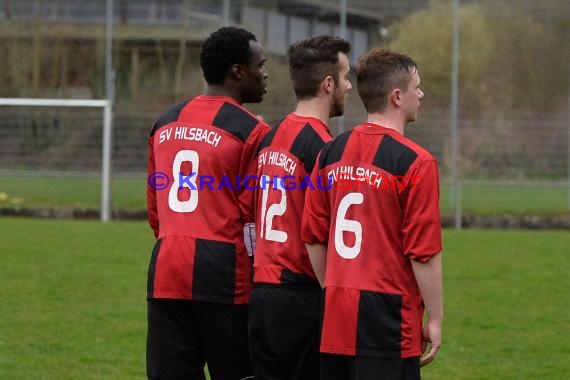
(73, 306)
(70, 192)
(81, 193)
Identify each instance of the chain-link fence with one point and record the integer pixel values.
(513, 114)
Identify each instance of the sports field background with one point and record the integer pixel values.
(477, 197)
(512, 141)
(73, 302)
(72, 293)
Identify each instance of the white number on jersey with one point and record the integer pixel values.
(192, 202)
(268, 213)
(343, 224)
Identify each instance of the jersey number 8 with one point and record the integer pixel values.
(174, 203)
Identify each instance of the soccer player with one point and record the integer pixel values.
(285, 302)
(199, 277)
(374, 238)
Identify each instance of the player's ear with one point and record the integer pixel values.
(238, 71)
(396, 97)
(328, 84)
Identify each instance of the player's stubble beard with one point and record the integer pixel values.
(339, 100)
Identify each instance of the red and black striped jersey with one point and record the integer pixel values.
(286, 158)
(380, 212)
(200, 149)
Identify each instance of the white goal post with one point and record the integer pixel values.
(106, 105)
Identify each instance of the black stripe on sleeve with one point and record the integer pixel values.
(332, 151)
(170, 116)
(235, 120)
(394, 157)
(307, 146)
(268, 139)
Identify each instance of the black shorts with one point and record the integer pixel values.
(284, 332)
(185, 335)
(341, 367)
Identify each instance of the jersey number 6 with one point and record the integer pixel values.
(343, 224)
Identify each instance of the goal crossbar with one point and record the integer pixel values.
(106, 105)
(95, 103)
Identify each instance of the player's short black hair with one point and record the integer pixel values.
(225, 47)
(378, 72)
(312, 60)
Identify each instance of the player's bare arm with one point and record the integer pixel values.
(429, 278)
(318, 257)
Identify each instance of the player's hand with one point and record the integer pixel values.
(431, 333)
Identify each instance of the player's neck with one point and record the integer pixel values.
(230, 92)
(386, 120)
(315, 108)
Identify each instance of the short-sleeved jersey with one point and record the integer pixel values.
(380, 212)
(199, 151)
(285, 161)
